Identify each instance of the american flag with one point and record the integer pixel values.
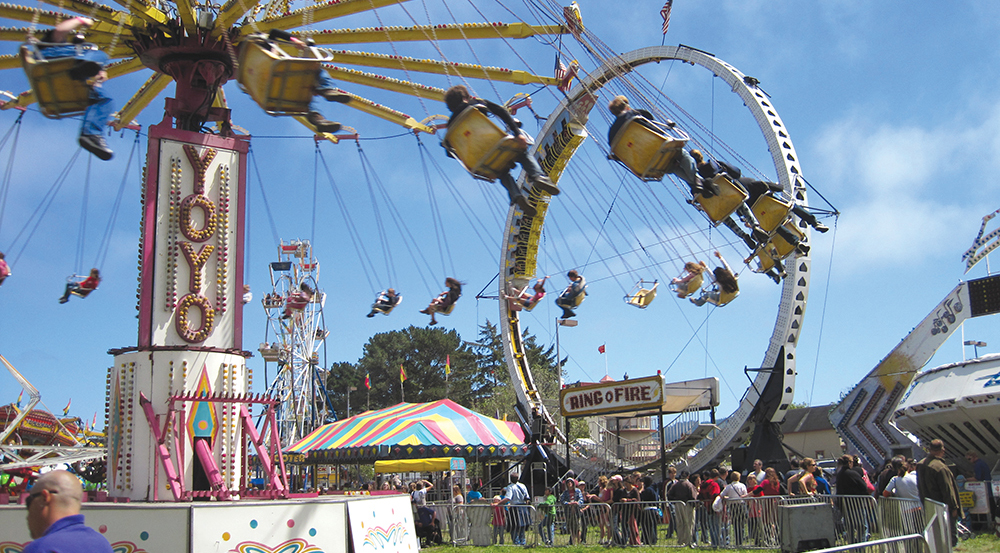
(665, 12)
(565, 75)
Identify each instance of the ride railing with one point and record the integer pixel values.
(618, 452)
(745, 523)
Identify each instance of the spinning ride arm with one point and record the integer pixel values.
(864, 417)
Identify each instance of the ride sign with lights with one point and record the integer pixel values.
(612, 397)
(191, 255)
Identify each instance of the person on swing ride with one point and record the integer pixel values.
(445, 299)
(457, 98)
(89, 69)
(725, 286)
(82, 288)
(386, 300)
(298, 300)
(690, 280)
(568, 299)
(683, 165)
(755, 189)
(539, 289)
(4, 269)
(325, 86)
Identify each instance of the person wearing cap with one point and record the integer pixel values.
(54, 518)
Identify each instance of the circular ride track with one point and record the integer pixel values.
(780, 352)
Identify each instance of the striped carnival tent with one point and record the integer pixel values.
(412, 431)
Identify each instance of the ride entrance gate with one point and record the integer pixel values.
(641, 397)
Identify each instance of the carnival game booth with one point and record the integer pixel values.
(405, 431)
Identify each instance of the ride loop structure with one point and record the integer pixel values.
(769, 396)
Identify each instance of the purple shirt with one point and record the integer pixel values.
(69, 535)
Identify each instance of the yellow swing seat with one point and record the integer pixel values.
(684, 290)
(447, 310)
(485, 149)
(770, 212)
(57, 94)
(642, 297)
(718, 207)
(384, 308)
(573, 302)
(776, 248)
(278, 76)
(645, 152)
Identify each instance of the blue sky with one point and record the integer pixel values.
(892, 109)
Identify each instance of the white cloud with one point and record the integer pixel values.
(908, 193)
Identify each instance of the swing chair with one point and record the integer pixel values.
(52, 80)
(79, 292)
(641, 297)
(686, 288)
(776, 248)
(771, 212)
(280, 77)
(722, 205)
(483, 148)
(518, 300)
(648, 154)
(572, 302)
(384, 307)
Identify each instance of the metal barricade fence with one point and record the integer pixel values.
(751, 522)
(744, 523)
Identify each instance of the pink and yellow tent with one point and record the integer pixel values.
(413, 431)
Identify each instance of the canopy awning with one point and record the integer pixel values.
(415, 431)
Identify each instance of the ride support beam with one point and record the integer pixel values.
(231, 14)
(10, 61)
(144, 12)
(188, 16)
(432, 32)
(385, 83)
(100, 13)
(465, 70)
(138, 102)
(322, 12)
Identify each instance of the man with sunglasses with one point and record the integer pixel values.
(54, 518)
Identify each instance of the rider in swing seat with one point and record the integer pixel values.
(4, 269)
(445, 301)
(82, 288)
(386, 301)
(690, 281)
(457, 98)
(708, 168)
(325, 87)
(725, 289)
(90, 67)
(683, 165)
(572, 295)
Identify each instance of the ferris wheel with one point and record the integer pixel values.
(294, 310)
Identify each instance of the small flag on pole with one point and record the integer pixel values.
(402, 374)
(368, 380)
(19, 396)
(447, 365)
(93, 423)
(665, 12)
(66, 409)
(600, 348)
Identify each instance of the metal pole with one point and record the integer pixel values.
(663, 450)
(567, 444)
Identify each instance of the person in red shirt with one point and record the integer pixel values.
(710, 521)
(82, 288)
(4, 269)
